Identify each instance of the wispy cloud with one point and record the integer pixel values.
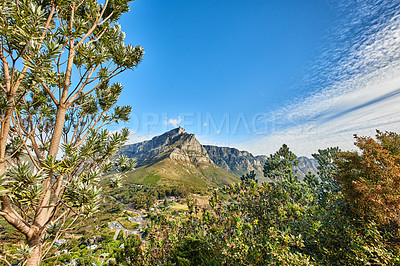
(135, 137)
(174, 122)
(356, 81)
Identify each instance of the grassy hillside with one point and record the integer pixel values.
(168, 172)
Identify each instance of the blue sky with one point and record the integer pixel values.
(256, 74)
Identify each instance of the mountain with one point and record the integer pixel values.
(177, 157)
(235, 161)
(306, 165)
(173, 158)
(241, 162)
(175, 144)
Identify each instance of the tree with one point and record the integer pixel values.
(249, 176)
(371, 179)
(279, 167)
(58, 59)
(280, 164)
(129, 253)
(325, 183)
(257, 226)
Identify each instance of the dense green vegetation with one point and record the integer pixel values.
(145, 196)
(290, 222)
(317, 221)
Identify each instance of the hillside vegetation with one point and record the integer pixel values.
(168, 172)
(347, 215)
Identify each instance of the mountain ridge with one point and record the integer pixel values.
(234, 160)
(177, 154)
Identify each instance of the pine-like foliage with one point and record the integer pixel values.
(58, 60)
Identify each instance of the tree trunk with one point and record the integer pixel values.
(5, 129)
(36, 256)
(42, 215)
(33, 240)
(58, 130)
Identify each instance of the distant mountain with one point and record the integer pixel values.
(306, 165)
(241, 162)
(235, 161)
(177, 157)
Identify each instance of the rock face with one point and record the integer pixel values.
(235, 161)
(175, 144)
(306, 165)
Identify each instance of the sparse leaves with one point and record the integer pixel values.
(24, 183)
(24, 251)
(115, 181)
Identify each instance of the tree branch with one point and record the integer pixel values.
(12, 216)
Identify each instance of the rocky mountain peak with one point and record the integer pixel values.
(180, 130)
(176, 144)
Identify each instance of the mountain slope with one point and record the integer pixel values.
(169, 172)
(172, 158)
